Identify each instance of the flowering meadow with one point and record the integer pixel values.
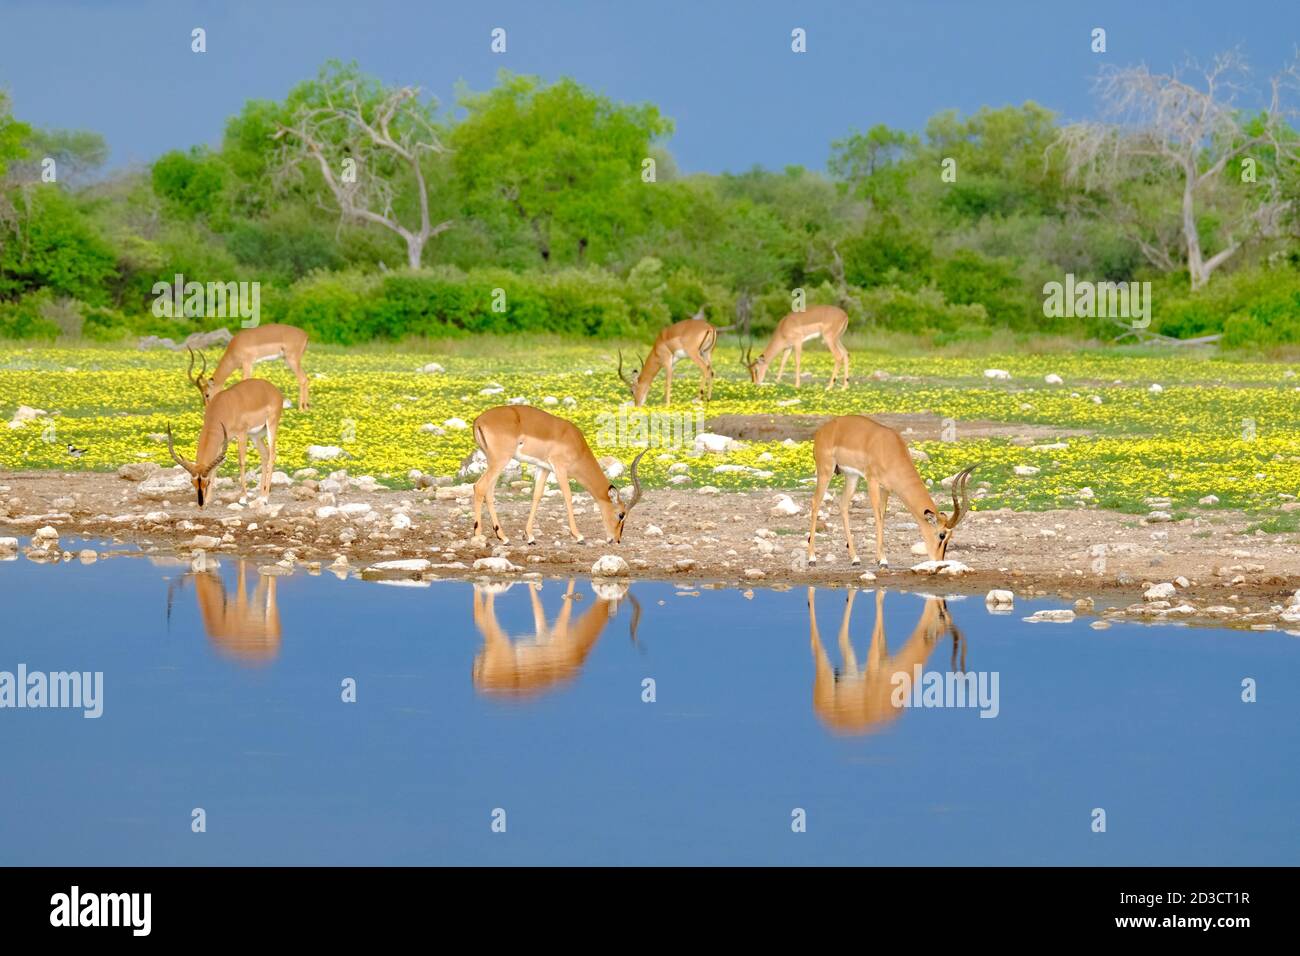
(1177, 427)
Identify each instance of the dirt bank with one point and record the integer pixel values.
(1231, 578)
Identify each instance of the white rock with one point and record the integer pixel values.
(205, 541)
(1054, 616)
(355, 508)
(997, 373)
(609, 565)
(1155, 389)
(1000, 597)
(402, 564)
(785, 506)
(401, 522)
(866, 576)
(8, 544)
(323, 452)
(432, 368)
(1053, 379)
(1027, 471)
(26, 413)
(326, 512)
(455, 423)
(138, 470)
(653, 531)
(495, 564)
(940, 567)
(1159, 592)
(755, 574)
(1209, 500)
(708, 441)
(1158, 516)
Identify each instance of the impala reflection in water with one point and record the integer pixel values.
(244, 630)
(859, 700)
(555, 653)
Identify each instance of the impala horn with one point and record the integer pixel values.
(198, 381)
(626, 381)
(175, 457)
(959, 483)
(636, 482)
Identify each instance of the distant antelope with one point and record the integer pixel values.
(248, 347)
(248, 409)
(858, 700)
(691, 338)
(826, 321)
(857, 447)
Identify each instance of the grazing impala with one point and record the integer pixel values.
(859, 700)
(792, 332)
(549, 444)
(555, 653)
(691, 338)
(857, 447)
(248, 409)
(250, 346)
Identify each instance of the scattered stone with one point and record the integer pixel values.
(784, 507)
(497, 565)
(1159, 592)
(1000, 598)
(609, 565)
(1053, 616)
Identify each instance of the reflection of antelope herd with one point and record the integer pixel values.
(555, 652)
(859, 699)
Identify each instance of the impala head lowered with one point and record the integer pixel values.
(201, 476)
(942, 525)
(639, 385)
(621, 509)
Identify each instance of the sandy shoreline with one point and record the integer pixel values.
(730, 538)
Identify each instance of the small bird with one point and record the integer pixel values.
(76, 452)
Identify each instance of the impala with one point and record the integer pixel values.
(792, 332)
(854, 699)
(248, 409)
(550, 445)
(856, 446)
(691, 338)
(555, 653)
(248, 347)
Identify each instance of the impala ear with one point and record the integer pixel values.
(613, 496)
(931, 517)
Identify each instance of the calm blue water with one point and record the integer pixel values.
(235, 708)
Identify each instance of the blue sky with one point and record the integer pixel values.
(723, 71)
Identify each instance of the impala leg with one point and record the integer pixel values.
(706, 375)
(295, 363)
(879, 497)
(823, 482)
(844, 379)
(668, 381)
(877, 654)
(539, 487)
(781, 371)
(798, 364)
(563, 479)
(847, 655)
(485, 488)
(850, 486)
(264, 453)
(242, 442)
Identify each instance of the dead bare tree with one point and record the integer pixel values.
(361, 142)
(1162, 126)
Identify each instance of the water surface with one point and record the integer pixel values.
(226, 695)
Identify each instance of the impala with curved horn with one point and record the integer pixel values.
(857, 447)
(549, 444)
(824, 321)
(200, 381)
(691, 338)
(248, 409)
(249, 346)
